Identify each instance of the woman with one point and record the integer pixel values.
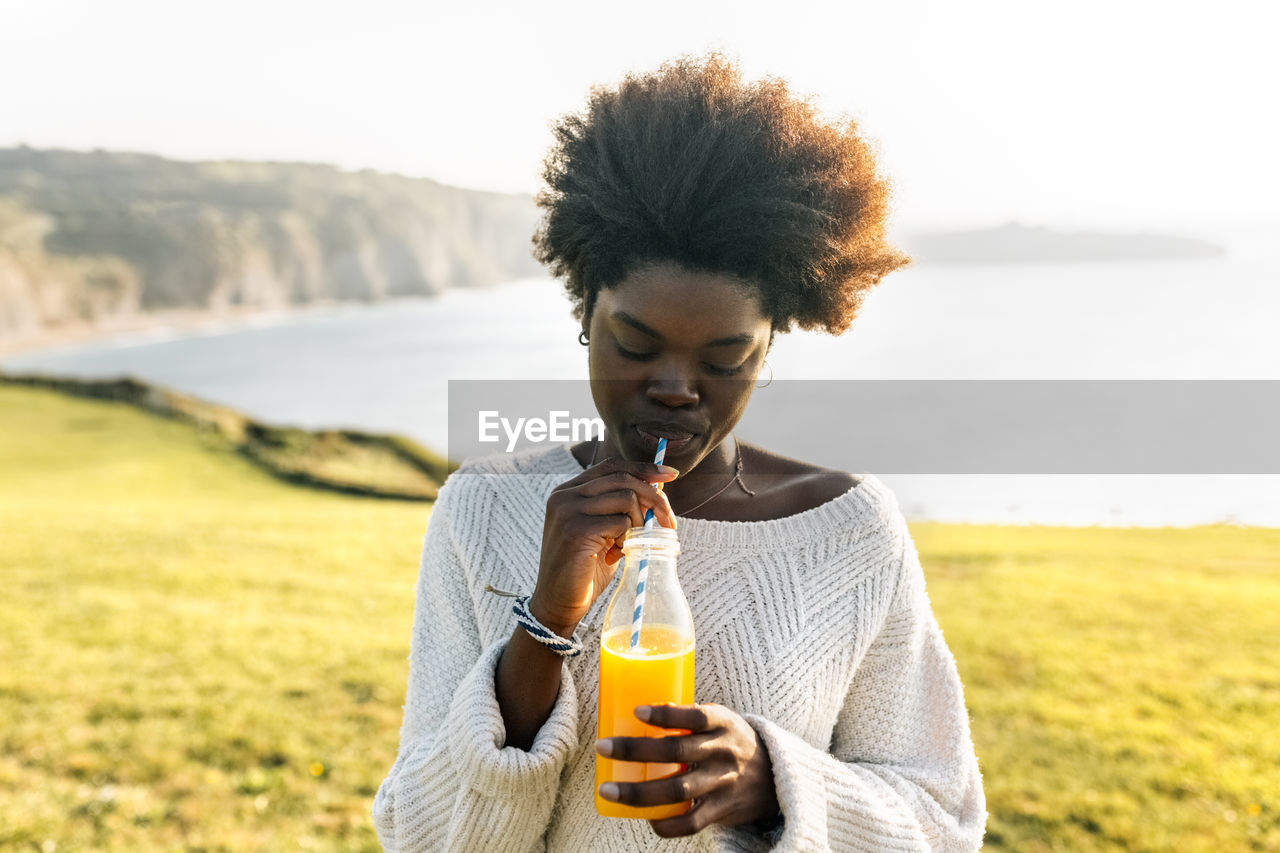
(693, 216)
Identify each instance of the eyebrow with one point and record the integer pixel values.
(732, 340)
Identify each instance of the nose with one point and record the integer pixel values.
(673, 385)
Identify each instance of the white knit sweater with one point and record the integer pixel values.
(815, 627)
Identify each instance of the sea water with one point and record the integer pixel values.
(385, 367)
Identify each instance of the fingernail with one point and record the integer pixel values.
(609, 791)
(642, 713)
(604, 746)
(667, 469)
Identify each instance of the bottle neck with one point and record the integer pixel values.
(658, 572)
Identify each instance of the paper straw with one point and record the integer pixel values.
(642, 573)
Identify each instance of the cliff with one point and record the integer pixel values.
(93, 241)
(98, 236)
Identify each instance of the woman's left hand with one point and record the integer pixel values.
(728, 773)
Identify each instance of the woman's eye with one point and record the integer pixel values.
(713, 369)
(634, 356)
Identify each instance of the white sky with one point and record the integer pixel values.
(1111, 113)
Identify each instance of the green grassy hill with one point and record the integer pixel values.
(198, 656)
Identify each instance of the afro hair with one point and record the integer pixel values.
(694, 165)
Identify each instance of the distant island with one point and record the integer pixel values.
(104, 242)
(1021, 244)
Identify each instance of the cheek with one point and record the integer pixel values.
(732, 402)
(611, 392)
(607, 365)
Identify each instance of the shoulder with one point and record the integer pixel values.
(519, 478)
(537, 462)
(857, 509)
(791, 485)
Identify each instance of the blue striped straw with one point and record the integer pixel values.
(642, 573)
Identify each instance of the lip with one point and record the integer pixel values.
(670, 430)
(677, 438)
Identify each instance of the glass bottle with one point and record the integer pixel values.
(652, 667)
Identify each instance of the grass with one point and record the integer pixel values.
(197, 656)
(346, 461)
(1124, 684)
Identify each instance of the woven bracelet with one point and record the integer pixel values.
(564, 646)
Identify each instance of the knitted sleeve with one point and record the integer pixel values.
(901, 774)
(454, 785)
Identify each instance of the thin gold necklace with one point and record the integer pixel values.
(737, 477)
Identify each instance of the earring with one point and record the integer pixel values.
(770, 382)
(582, 338)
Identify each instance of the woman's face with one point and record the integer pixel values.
(674, 353)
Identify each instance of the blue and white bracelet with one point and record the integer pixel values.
(564, 646)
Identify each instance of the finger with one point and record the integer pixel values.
(656, 500)
(643, 495)
(666, 515)
(602, 532)
(660, 792)
(641, 484)
(705, 811)
(673, 749)
(648, 472)
(622, 502)
(692, 718)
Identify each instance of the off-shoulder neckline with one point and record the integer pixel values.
(863, 498)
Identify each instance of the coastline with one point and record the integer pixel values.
(171, 321)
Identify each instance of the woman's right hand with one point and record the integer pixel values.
(586, 521)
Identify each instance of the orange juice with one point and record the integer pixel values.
(660, 670)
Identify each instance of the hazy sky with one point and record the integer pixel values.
(1113, 113)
